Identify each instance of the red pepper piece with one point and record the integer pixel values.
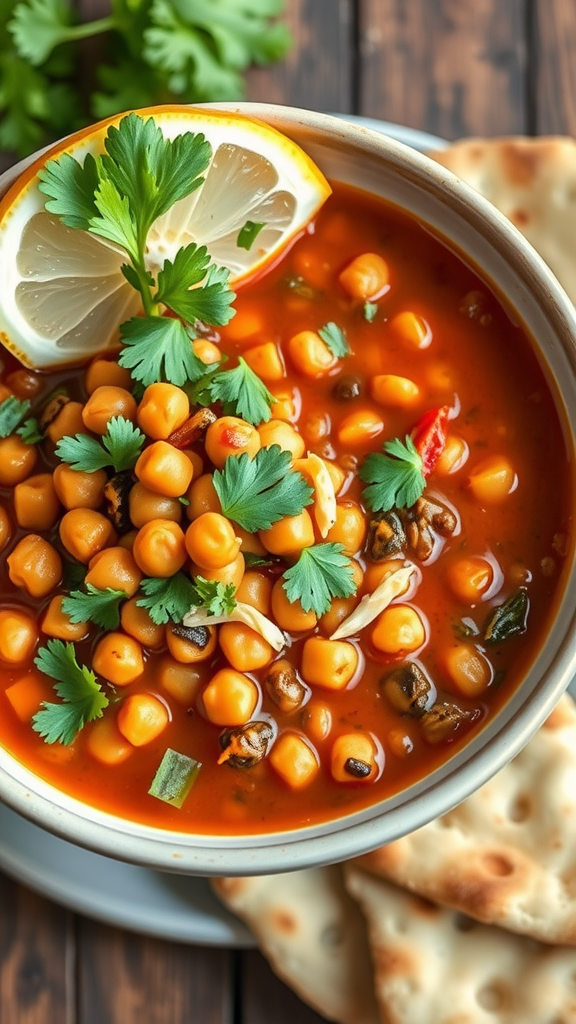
(429, 436)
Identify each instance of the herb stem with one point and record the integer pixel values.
(89, 28)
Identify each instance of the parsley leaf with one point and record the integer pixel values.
(30, 431)
(120, 447)
(321, 573)
(159, 348)
(12, 412)
(177, 287)
(243, 393)
(333, 336)
(76, 685)
(370, 310)
(167, 599)
(102, 607)
(249, 233)
(395, 479)
(216, 597)
(257, 492)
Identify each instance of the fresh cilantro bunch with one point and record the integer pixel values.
(157, 51)
(117, 196)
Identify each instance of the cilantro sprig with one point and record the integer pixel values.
(12, 412)
(242, 393)
(170, 599)
(394, 478)
(81, 694)
(258, 492)
(334, 337)
(120, 447)
(321, 573)
(102, 607)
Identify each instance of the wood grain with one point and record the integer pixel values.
(266, 1000)
(36, 959)
(125, 978)
(554, 44)
(451, 67)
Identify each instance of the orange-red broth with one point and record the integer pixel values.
(477, 361)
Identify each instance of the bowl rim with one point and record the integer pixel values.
(493, 745)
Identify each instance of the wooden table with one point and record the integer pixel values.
(451, 67)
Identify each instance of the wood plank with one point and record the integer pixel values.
(36, 959)
(317, 73)
(555, 70)
(451, 67)
(124, 978)
(265, 998)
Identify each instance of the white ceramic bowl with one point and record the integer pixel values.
(364, 158)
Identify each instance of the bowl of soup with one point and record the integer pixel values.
(306, 629)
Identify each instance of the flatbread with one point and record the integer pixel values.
(533, 182)
(314, 936)
(507, 854)
(431, 966)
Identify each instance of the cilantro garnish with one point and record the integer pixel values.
(30, 431)
(76, 685)
(243, 393)
(102, 607)
(118, 196)
(12, 412)
(249, 233)
(216, 597)
(321, 573)
(333, 336)
(167, 599)
(370, 310)
(120, 447)
(257, 492)
(394, 478)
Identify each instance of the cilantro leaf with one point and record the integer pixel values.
(76, 685)
(243, 393)
(120, 447)
(258, 492)
(167, 599)
(102, 607)
(249, 233)
(370, 310)
(395, 478)
(176, 287)
(159, 348)
(335, 338)
(30, 431)
(12, 412)
(70, 187)
(38, 26)
(321, 573)
(216, 597)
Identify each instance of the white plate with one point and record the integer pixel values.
(168, 906)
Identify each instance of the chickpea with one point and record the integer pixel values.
(136, 621)
(145, 505)
(230, 435)
(453, 457)
(287, 405)
(114, 567)
(411, 329)
(398, 628)
(468, 669)
(256, 590)
(202, 497)
(310, 355)
(36, 504)
(317, 720)
(17, 460)
(290, 615)
(191, 646)
(24, 383)
(294, 760)
(85, 532)
(232, 573)
(284, 435)
(56, 623)
(66, 423)
(244, 648)
(35, 565)
(250, 543)
(349, 528)
(366, 277)
(142, 718)
(164, 469)
(106, 373)
(469, 578)
(182, 682)
(354, 758)
(211, 541)
(331, 664)
(118, 658)
(206, 351)
(359, 428)
(391, 390)
(76, 489)
(492, 480)
(18, 635)
(106, 743)
(289, 535)
(5, 528)
(106, 402)
(230, 698)
(159, 548)
(266, 361)
(163, 409)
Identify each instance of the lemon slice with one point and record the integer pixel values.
(62, 294)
